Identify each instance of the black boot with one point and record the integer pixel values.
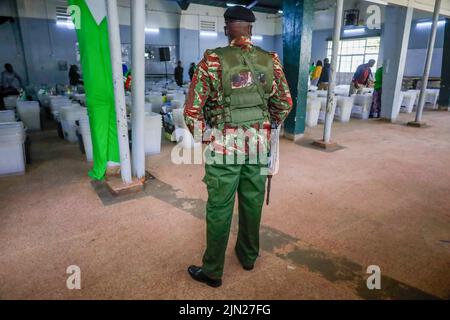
(197, 274)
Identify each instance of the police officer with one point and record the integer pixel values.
(236, 88)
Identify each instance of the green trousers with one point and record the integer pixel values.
(223, 180)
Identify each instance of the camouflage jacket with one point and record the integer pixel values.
(206, 90)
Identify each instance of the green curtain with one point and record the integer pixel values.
(97, 75)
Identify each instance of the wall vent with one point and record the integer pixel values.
(208, 25)
(61, 11)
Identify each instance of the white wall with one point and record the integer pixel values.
(266, 24)
(160, 13)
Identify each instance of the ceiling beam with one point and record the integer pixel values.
(251, 5)
(184, 4)
(256, 5)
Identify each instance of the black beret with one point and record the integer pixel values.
(239, 13)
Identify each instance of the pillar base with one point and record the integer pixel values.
(416, 124)
(118, 188)
(293, 137)
(112, 171)
(328, 146)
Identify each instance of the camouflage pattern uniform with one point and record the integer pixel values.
(224, 180)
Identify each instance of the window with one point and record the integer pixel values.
(354, 52)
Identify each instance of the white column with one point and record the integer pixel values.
(426, 72)
(332, 81)
(395, 38)
(138, 86)
(119, 92)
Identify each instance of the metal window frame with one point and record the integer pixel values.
(340, 55)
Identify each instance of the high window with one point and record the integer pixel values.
(354, 52)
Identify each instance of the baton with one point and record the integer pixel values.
(269, 184)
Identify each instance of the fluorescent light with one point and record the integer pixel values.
(67, 24)
(234, 4)
(152, 30)
(378, 2)
(356, 30)
(257, 38)
(280, 11)
(428, 24)
(208, 34)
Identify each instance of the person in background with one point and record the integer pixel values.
(375, 110)
(362, 77)
(128, 81)
(311, 69)
(191, 70)
(179, 74)
(74, 76)
(10, 85)
(324, 75)
(315, 75)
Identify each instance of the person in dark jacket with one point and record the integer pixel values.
(179, 74)
(10, 84)
(325, 75)
(191, 70)
(362, 77)
(74, 76)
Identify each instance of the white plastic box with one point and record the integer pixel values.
(56, 102)
(29, 113)
(396, 108)
(322, 93)
(361, 107)
(312, 112)
(311, 94)
(44, 99)
(344, 108)
(10, 102)
(367, 91)
(342, 90)
(69, 115)
(177, 104)
(432, 97)
(323, 108)
(12, 152)
(409, 98)
(182, 132)
(153, 128)
(85, 131)
(7, 116)
(155, 99)
(80, 97)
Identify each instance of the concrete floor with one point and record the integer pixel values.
(383, 200)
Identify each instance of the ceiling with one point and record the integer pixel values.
(272, 6)
(267, 6)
